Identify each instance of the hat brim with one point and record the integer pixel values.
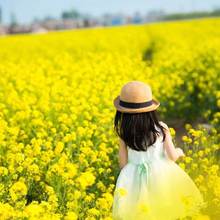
(152, 107)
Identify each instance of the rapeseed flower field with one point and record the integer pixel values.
(58, 151)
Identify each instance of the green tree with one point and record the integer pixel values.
(71, 14)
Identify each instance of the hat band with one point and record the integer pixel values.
(135, 105)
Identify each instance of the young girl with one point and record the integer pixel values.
(150, 184)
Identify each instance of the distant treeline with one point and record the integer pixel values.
(179, 16)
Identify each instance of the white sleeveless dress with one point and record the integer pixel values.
(153, 187)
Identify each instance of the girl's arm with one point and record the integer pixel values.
(122, 154)
(172, 152)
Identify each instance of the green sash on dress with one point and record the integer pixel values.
(143, 170)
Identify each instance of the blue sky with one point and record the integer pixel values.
(27, 10)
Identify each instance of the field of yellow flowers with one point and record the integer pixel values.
(58, 151)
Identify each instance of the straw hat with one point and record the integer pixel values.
(135, 97)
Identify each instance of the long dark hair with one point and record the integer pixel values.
(138, 128)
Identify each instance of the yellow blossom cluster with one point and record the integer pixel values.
(58, 151)
(201, 162)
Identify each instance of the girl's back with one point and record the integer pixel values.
(152, 154)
